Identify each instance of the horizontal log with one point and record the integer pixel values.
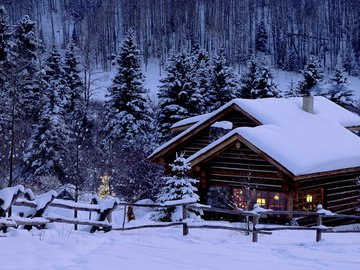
(339, 193)
(343, 216)
(344, 199)
(294, 228)
(31, 221)
(6, 222)
(342, 187)
(148, 226)
(75, 206)
(79, 221)
(244, 173)
(344, 231)
(61, 204)
(240, 164)
(219, 227)
(223, 211)
(244, 183)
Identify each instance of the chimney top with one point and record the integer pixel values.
(308, 104)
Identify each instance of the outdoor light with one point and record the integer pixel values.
(276, 197)
(308, 198)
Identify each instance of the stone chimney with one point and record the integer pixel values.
(308, 104)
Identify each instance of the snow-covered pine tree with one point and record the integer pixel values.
(6, 35)
(178, 96)
(201, 73)
(77, 115)
(26, 49)
(265, 85)
(73, 80)
(224, 82)
(54, 79)
(261, 38)
(13, 129)
(291, 90)
(177, 186)
(338, 91)
(313, 74)
(6, 40)
(258, 80)
(248, 79)
(47, 153)
(126, 118)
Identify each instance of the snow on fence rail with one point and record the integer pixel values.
(36, 206)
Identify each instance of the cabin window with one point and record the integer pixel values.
(307, 200)
(245, 199)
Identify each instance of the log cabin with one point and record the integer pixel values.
(281, 153)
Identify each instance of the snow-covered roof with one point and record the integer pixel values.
(190, 120)
(302, 154)
(286, 113)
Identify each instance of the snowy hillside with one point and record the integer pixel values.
(283, 78)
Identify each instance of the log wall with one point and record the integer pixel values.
(239, 167)
(341, 193)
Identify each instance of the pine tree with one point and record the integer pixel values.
(80, 123)
(313, 74)
(127, 113)
(292, 89)
(248, 79)
(224, 82)
(261, 38)
(178, 95)
(105, 187)
(201, 73)
(265, 85)
(177, 186)
(13, 129)
(54, 80)
(259, 80)
(27, 67)
(338, 91)
(47, 153)
(73, 80)
(5, 37)
(6, 40)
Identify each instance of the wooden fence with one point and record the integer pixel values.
(36, 217)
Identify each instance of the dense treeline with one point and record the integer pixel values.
(287, 30)
(54, 134)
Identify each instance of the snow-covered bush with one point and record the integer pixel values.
(178, 186)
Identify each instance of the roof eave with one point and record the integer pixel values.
(231, 106)
(328, 173)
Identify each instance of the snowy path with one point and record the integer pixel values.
(167, 249)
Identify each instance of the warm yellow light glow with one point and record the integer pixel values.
(276, 197)
(261, 201)
(308, 198)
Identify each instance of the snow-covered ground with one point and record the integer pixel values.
(60, 247)
(168, 249)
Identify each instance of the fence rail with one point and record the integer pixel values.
(14, 196)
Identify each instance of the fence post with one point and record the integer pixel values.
(318, 231)
(123, 224)
(185, 216)
(255, 233)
